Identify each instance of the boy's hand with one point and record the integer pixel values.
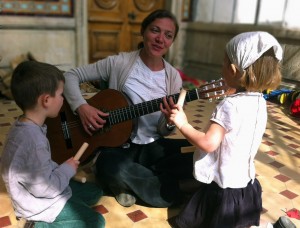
(73, 163)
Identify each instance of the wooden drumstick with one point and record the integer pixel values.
(188, 149)
(80, 179)
(81, 151)
(181, 97)
(77, 156)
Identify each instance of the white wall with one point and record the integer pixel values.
(48, 39)
(58, 41)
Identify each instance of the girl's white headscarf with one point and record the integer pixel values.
(245, 48)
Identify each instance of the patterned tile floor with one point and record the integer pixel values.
(277, 164)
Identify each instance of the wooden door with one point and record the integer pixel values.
(114, 25)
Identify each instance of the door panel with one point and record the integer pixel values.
(114, 25)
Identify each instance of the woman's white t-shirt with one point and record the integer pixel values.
(145, 85)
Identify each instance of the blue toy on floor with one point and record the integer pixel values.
(280, 94)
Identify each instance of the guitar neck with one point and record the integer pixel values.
(211, 90)
(133, 111)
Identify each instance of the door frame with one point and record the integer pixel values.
(81, 32)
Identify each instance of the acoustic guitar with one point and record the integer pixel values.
(66, 133)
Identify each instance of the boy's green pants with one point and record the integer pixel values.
(78, 212)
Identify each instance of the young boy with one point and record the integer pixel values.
(39, 188)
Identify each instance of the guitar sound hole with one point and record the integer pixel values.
(106, 127)
(103, 130)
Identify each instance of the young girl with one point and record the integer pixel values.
(224, 158)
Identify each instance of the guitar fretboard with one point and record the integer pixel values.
(133, 111)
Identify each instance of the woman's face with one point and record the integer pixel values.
(159, 36)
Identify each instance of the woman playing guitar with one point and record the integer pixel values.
(150, 166)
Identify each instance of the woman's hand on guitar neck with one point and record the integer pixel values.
(91, 118)
(166, 108)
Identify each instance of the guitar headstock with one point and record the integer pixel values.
(215, 89)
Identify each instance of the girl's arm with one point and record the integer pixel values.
(207, 141)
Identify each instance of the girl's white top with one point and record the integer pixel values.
(231, 165)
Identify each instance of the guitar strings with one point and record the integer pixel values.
(72, 124)
(133, 111)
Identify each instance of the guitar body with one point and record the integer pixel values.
(67, 136)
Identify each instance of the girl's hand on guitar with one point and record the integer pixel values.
(92, 118)
(166, 108)
(178, 116)
(73, 163)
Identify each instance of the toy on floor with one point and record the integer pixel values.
(295, 108)
(281, 95)
(293, 213)
(286, 95)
